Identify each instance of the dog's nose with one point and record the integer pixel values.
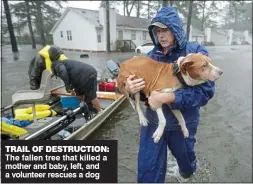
(220, 71)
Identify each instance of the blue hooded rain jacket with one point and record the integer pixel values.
(152, 157)
(189, 99)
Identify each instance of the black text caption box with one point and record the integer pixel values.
(96, 161)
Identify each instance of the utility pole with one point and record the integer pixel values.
(108, 50)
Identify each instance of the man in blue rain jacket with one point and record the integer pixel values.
(170, 43)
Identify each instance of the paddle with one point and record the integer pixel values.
(100, 94)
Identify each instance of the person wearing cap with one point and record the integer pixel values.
(43, 60)
(170, 43)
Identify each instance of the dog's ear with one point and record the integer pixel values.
(180, 59)
(185, 64)
(207, 58)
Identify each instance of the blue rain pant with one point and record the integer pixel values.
(152, 157)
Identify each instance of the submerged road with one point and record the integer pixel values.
(224, 138)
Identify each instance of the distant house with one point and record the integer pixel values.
(240, 36)
(85, 30)
(196, 35)
(223, 37)
(20, 34)
(218, 36)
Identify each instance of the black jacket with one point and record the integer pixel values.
(73, 73)
(38, 65)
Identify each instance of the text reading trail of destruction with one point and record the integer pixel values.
(74, 162)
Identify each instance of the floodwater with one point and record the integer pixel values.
(224, 138)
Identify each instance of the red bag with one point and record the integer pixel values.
(106, 86)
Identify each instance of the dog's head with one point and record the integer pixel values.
(197, 69)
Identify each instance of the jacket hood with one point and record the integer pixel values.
(169, 17)
(54, 52)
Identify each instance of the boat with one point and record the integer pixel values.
(68, 118)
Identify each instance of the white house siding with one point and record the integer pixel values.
(199, 39)
(249, 39)
(102, 21)
(79, 28)
(138, 38)
(219, 38)
(100, 45)
(113, 33)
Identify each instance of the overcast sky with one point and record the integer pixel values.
(92, 5)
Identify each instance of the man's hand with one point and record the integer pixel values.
(81, 98)
(134, 85)
(73, 93)
(156, 99)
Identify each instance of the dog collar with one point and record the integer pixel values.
(177, 73)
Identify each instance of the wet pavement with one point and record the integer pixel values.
(224, 138)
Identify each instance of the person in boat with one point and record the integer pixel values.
(42, 61)
(80, 79)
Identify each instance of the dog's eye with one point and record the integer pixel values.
(205, 65)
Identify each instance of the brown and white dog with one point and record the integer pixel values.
(191, 70)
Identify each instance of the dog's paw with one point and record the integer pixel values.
(185, 132)
(143, 121)
(157, 135)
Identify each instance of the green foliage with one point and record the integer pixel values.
(50, 13)
(118, 45)
(208, 43)
(238, 16)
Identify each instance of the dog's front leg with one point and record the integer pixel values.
(181, 121)
(132, 102)
(142, 118)
(161, 125)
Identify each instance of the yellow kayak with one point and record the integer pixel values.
(12, 130)
(42, 111)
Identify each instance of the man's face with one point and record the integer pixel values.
(165, 37)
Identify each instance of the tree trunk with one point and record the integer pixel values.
(236, 16)
(148, 9)
(40, 23)
(108, 50)
(10, 27)
(165, 3)
(138, 9)
(129, 11)
(171, 3)
(30, 24)
(203, 16)
(124, 2)
(189, 20)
